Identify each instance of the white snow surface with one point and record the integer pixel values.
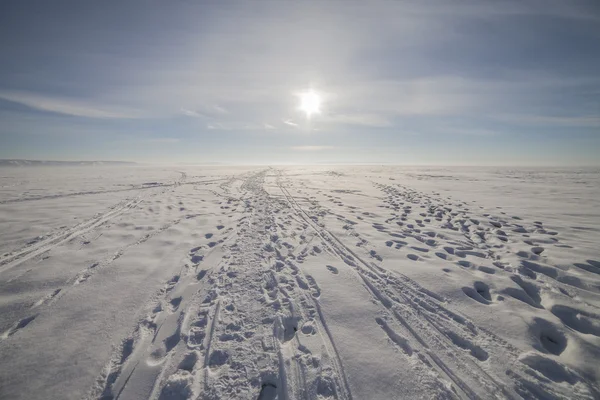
(328, 282)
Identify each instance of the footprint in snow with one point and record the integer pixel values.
(18, 326)
(413, 257)
(480, 292)
(332, 269)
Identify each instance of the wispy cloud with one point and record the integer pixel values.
(76, 108)
(403, 68)
(190, 113)
(208, 112)
(290, 122)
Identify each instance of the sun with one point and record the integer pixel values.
(310, 103)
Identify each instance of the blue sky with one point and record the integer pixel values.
(453, 83)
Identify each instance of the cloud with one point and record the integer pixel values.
(383, 60)
(215, 126)
(66, 106)
(207, 112)
(190, 113)
(218, 109)
(397, 66)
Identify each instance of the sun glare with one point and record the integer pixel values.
(310, 103)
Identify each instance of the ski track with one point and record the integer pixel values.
(242, 317)
(37, 248)
(30, 251)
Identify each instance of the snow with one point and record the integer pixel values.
(299, 282)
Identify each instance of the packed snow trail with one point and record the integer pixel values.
(300, 284)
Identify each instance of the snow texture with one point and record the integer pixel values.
(345, 282)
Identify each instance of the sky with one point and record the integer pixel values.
(400, 82)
